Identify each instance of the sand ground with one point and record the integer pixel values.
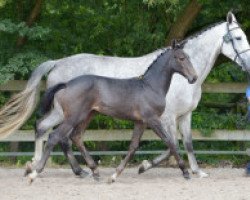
(156, 184)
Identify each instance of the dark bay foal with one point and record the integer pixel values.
(141, 100)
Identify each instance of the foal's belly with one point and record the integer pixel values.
(119, 111)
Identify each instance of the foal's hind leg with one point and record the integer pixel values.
(77, 139)
(62, 131)
(156, 126)
(137, 133)
(66, 146)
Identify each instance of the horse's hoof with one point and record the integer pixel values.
(28, 169)
(110, 180)
(144, 166)
(32, 176)
(201, 174)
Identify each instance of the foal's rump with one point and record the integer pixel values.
(48, 97)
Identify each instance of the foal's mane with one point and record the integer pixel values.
(165, 50)
(197, 34)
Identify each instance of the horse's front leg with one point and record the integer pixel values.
(171, 128)
(156, 126)
(185, 129)
(134, 144)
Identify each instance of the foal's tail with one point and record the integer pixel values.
(18, 109)
(48, 97)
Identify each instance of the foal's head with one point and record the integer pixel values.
(181, 63)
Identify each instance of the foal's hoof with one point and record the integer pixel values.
(96, 177)
(186, 175)
(28, 168)
(141, 169)
(83, 174)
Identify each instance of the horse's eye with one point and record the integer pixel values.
(238, 38)
(181, 58)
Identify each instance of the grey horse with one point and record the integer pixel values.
(140, 99)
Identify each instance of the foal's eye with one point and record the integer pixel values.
(238, 38)
(181, 59)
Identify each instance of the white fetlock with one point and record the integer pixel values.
(146, 164)
(202, 174)
(32, 176)
(112, 179)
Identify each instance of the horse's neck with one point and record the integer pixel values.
(203, 50)
(159, 75)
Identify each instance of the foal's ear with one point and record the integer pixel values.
(230, 17)
(174, 44)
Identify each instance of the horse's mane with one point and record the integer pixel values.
(198, 33)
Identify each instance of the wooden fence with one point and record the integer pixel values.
(125, 135)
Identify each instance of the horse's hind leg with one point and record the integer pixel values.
(66, 146)
(156, 126)
(77, 140)
(62, 131)
(137, 133)
(54, 118)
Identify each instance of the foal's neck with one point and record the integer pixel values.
(159, 75)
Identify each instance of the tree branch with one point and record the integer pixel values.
(30, 21)
(183, 22)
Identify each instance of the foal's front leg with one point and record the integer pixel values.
(156, 126)
(137, 133)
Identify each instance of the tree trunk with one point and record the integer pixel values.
(31, 19)
(183, 22)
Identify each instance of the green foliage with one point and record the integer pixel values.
(20, 65)
(120, 28)
(21, 29)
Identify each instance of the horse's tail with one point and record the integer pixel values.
(48, 98)
(18, 109)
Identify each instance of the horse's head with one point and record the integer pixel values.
(181, 63)
(235, 45)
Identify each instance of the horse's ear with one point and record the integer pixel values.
(230, 17)
(174, 43)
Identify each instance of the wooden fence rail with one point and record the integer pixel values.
(125, 135)
(16, 85)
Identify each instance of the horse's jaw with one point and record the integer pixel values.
(204, 49)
